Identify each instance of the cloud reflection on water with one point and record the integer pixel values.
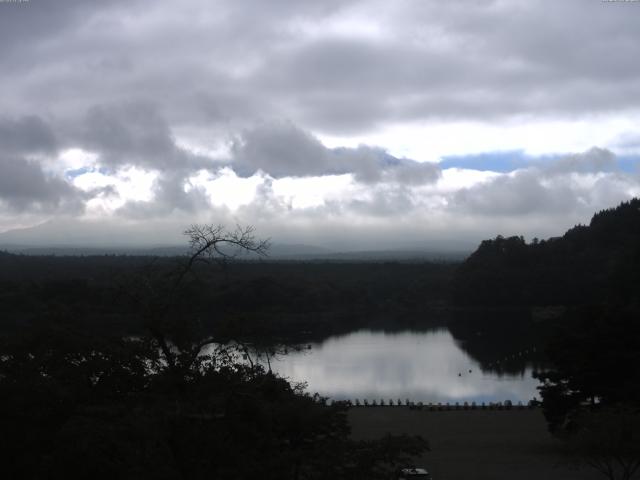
(421, 366)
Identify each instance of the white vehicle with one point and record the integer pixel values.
(413, 473)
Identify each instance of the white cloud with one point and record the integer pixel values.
(454, 179)
(225, 188)
(318, 119)
(430, 141)
(127, 184)
(74, 159)
(309, 192)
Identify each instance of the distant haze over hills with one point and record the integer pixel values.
(100, 238)
(276, 252)
(168, 250)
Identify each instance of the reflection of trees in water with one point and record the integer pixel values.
(423, 365)
(503, 340)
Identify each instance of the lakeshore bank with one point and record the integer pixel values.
(475, 445)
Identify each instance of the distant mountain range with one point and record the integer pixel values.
(53, 238)
(293, 252)
(168, 250)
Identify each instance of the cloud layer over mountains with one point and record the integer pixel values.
(319, 122)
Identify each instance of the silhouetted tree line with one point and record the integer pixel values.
(278, 298)
(591, 388)
(595, 353)
(591, 383)
(78, 406)
(177, 400)
(588, 264)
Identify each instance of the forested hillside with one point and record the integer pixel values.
(596, 263)
(276, 298)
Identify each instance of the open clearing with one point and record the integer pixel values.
(474, 445)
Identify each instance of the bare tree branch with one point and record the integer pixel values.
(207, 243)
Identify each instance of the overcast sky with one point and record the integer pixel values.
(348, 124)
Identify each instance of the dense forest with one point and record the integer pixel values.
(504, 290)
(116, 367)
(294, 299)
(599, 262)
(579, 296)
(520, 293)
(104, 374)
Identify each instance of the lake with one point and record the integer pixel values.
(425, 366)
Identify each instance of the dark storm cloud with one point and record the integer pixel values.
(351, 85)
(24, 186)
(127, 132)
(133, 134)
(29, 134)
(25, 26)
(281, 149)
(315, 63)
(466, 60)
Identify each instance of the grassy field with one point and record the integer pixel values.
(474, 445)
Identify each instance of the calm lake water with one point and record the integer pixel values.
(422, 366)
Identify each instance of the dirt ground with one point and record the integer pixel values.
(474, 445)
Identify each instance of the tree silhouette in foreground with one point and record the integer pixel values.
(162, 296)
(591, 395)
(160, 405)
(608, 440)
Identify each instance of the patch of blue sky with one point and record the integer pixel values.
(82, 170)
(510, 160)
(629, 163)
(499, 161)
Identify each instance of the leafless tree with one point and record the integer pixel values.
(216, 243)
(158, 292)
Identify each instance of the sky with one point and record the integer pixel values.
(350, 124)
